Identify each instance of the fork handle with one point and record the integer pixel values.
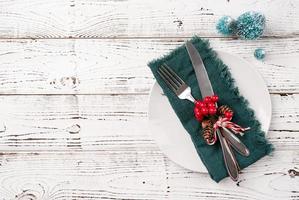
(189, 96)
(235, 142)
(229, 158)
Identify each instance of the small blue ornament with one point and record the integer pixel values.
(226, 25)
(259, 53)
(250, 25)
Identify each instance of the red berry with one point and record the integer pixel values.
(197, 113)
(228, 115)
(207, 99)
(199, 117)
(196, 110)
(212, 110)
(211, 105)
(204, 111)
(214, 98)
(199, 104)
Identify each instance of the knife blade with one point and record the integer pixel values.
(206, 89)
(203, 80)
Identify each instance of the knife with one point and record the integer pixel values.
(206, 89)
(235, 142)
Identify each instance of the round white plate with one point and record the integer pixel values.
(171, 136)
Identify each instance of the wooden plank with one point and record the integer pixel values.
(138, 174)
(99, 146)
(279, 106)
(131, 18)
(118, 66)
(101, 122)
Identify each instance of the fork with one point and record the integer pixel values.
(175, 83)
(183, 91)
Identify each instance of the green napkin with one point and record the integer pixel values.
(224, 87)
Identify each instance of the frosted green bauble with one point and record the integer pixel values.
(250, 25)
(259, 53)
(226, 26)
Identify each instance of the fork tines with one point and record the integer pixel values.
(173, 81)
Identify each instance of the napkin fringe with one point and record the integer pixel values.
(226, 88)
(226, 75)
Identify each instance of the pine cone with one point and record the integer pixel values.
(208, 132)
(223, 109)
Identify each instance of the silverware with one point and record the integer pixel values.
(175, 83)
(206, 89)
(235, 142)
(229, 158)
(183, 91)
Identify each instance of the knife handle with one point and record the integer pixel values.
(235, 142)
(229, 158)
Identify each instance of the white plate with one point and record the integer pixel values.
(171, 136)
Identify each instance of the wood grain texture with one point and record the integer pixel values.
(135, 18)
(138, 174)
(50, 123)
(74, 88)
(118, 66)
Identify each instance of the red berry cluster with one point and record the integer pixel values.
(205, 107)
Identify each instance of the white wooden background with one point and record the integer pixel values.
(74, 89)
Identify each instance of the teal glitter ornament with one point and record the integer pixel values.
(259, 53)
(226, 25)
(250, 25)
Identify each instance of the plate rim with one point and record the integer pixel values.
(252, 68)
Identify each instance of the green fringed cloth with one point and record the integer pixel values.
(224, 87)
